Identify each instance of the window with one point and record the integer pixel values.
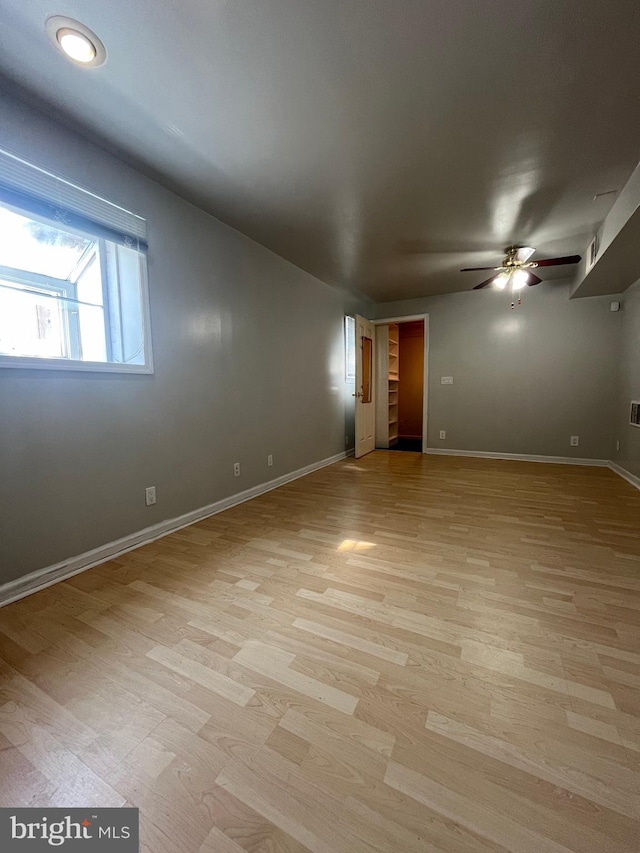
(72, 276)
(349, 349)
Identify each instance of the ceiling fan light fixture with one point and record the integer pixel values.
(519, 279)
(516, 270)
(500, 281)
(77, 42)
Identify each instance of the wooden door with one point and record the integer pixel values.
(365, 403)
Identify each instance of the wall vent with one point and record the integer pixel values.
(634, 415)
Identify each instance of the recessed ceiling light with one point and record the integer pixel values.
(76, 41)
(76, 45)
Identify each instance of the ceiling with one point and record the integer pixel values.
(380, 145)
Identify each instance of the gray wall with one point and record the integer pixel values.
(525, 380)
(629, 382)
(248, 354)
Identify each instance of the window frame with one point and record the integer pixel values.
(44, 282)
(349, 333)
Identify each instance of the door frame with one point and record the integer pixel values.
(425, 389)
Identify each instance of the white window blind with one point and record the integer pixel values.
(33, 188)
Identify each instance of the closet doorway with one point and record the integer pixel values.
(401, 371)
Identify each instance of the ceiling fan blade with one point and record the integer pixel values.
(555, 262)
(475, 269)
(533, 279)
(524, 253)
(484, 283)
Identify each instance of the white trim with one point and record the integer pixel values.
(35, 363)
(408, 318)
(483, 454)
(42, 578)
(147, 342)
(425, 386)
(626, 475)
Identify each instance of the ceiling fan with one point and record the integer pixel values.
(516, 269)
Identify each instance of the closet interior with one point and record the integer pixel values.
(400, 381)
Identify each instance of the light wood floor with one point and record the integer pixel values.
(400, 653)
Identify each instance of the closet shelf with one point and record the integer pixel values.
(387, 414)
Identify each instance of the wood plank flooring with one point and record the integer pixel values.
(395, 654)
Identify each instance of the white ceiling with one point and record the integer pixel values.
(379, 144)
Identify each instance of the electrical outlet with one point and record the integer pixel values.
(443, 433)
(236, 469)
(269, 460)
(446, 380)
(150, 495)
(575, 440)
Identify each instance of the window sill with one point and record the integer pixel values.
(68, 364)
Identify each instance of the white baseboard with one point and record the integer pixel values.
(42, 578)
(557, 460)
(626, 475)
